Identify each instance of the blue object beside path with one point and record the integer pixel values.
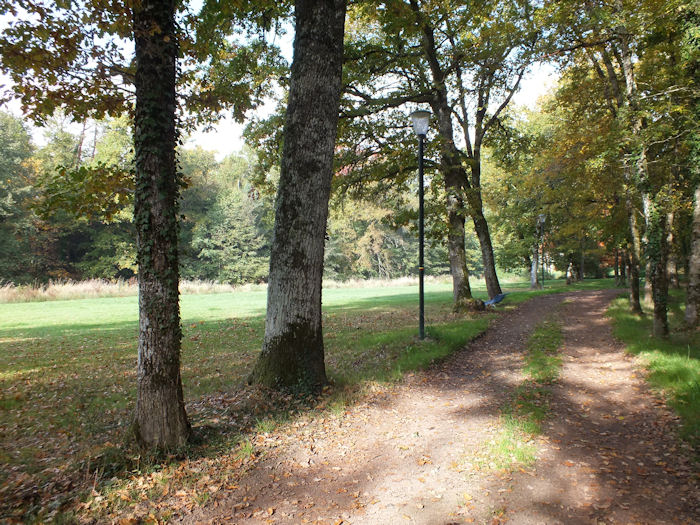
(497, 299)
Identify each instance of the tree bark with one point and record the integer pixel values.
(534, 275)
(461, 291)
(481, 227)
(455, 180)
(657, 250)
(672, 266)
(160, 420)
(633, 251)
(623, 268)
(692, 305)
(493, 287)
(292, 355)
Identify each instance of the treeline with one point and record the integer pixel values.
(62, 217)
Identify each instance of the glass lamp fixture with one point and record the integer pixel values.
(421, 121)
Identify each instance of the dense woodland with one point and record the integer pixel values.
(602, 179)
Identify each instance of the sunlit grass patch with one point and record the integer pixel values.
(673, 364)
(511, 447)
(542, 361)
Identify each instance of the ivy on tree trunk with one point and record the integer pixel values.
(160, 419)
(292, 354)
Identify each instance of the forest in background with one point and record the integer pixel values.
(226, 221)
(47, 233)
(601, 179)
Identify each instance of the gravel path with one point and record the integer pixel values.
(608, 453)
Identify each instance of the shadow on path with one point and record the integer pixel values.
(608, 454)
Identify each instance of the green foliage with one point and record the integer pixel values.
(16, 175)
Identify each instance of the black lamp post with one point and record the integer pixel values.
(421, 121)
(542, 217)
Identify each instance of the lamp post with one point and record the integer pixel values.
(542, 217)
(421, 121)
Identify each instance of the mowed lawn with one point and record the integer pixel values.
(68, 370)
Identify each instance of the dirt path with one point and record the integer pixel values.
(608, 454)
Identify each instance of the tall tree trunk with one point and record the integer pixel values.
(634, 250)
(455, 179)
(672, 266)
(623, 268)
(481, 227)
(292, 355)
(160, 420)
(450, 164)
(534, 275)
(648, 270)
(582, 244)
(692, 304)
(616, 267)
(657, 250)
(461, 291)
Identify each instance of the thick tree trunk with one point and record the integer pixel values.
(616, 266)
(160, 420)
(493, 287)
(481, 227)
(623, 268)
(292, 354)
(455, 180)
(648, 270)
(692, 305)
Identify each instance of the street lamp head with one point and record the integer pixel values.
(421, 121)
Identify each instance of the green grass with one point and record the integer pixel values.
(673, 364)
(542, 361)
(68, 371)
(522, 417)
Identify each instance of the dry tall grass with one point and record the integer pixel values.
(65, 290)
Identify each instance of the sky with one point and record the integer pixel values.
(226, 137)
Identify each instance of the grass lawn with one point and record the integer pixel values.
(68, 371)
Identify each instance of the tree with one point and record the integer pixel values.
(16, 221)
(160, 420)
(466, 61)
(690, 60)
(292, 354)
(633, 49)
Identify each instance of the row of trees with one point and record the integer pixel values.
(49, 230)
(615, 145)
